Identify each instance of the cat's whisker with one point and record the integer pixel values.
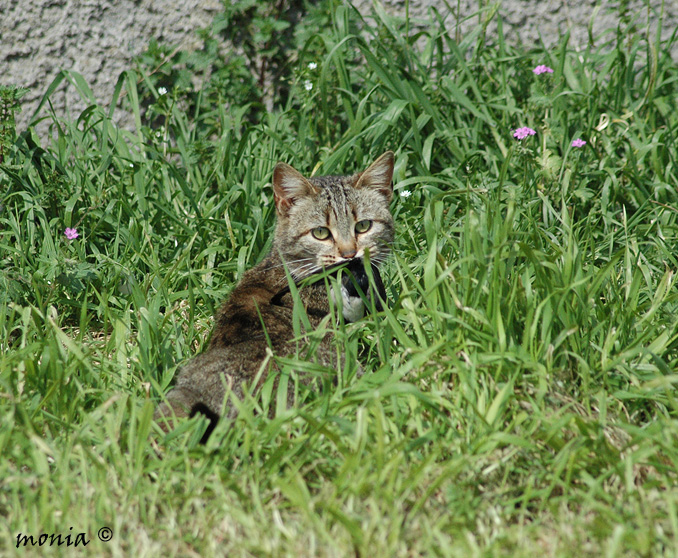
(305, 270)
(290, 263)
(301, 273)
(308, 273)
(294, 267)
(377, 261)
(308, 264)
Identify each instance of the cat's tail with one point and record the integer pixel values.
(181, 403)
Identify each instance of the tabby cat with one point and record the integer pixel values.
(323, 223)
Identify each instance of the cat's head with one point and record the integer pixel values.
(330, 220)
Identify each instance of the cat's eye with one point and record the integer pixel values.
(363, 226)
(321, 233)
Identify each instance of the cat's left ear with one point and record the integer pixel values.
(288, 186)
(379, 175)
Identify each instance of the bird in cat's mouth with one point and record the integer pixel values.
(357, 278)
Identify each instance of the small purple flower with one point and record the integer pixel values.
(578, 143)
(71, 234)
(542, 69)
(522, 133)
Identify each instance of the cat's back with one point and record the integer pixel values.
(242, 348)
(260, 308)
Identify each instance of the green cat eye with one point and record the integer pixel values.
(321, 233)
(363, 226)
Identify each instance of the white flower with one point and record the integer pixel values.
(308, 85)
(162, 91)
(405, 194)
(312, 65)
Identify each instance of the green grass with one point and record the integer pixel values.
(520, 396)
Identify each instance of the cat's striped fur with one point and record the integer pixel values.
(323, 223)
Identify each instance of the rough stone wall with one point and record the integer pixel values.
(532, 21)
(99, 38)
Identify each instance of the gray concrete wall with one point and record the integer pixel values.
(99, 38)
(531, 21)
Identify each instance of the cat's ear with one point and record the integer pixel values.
(288, 186)
(379, 175)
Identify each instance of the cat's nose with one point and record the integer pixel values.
(348, 252)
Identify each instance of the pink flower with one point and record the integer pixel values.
(578, 143)
(522, 133)
(541, 69)
(71, 234)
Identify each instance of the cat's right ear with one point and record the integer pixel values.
(288, 186)
(379, 175)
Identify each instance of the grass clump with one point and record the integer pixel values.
(520, 396)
